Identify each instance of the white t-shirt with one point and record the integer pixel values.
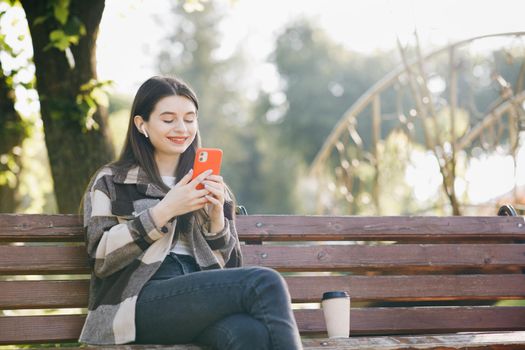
(182, 245)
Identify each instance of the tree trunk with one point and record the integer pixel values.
(74, 152)
(11, 136)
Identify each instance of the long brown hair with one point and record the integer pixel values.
(138, 149)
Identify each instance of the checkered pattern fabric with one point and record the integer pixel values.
(125, 248)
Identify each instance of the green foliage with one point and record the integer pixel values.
(11, 168)
(444, 124)
(92, 94)
(81, 110)
(321, 80)
(119, 102)
(69, 29)
(61, 10)
(118, 126)
(62, 39)
(11, 2)
(13, 128)
(224, 114)
(18, 127)
(36, 184)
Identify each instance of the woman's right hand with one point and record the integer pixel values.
(183, 198)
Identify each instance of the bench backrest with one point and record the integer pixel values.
(405, 275)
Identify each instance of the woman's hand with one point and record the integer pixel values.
(215, 208)
(181, 199)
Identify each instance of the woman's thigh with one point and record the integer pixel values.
(176, 310)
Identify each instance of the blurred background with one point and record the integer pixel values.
(321, 107)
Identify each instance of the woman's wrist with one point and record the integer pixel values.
(160, 214)
(217, 224)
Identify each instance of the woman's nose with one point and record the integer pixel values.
(180, 126)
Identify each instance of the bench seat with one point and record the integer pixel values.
(415, 282)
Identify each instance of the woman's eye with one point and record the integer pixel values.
(167, 121)
(189, 120)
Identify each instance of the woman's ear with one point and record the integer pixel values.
(140, 124)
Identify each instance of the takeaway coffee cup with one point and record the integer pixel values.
(336, 310)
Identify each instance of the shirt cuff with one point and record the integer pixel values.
(216, 234)
(219, 239)
(164, 229)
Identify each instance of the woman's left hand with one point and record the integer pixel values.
(215, 207)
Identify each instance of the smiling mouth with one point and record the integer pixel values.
(177, 140)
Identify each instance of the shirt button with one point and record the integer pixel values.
(164, 229)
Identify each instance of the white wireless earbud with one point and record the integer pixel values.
(144, 131)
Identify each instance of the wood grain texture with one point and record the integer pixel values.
(287, 227)
(409, 288)
(35, 329)
(303, 289)
(475, 341)
(443, 259)
(29, 260)
(384, 257)
(65, 259)
(40, 227)
(420, 320)
(370, 321)
(43, 294)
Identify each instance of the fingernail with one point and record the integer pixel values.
(191, 171)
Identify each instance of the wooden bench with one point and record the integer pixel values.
(415, 282)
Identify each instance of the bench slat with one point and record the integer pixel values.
(492, 340)
(64, 294)
(363, 321)
(288, 227)
(481, 250)
(385, 257)
(43, 260)
(43, 294)
(37, 227)
(410, 288)
(425, 257)
(421, 320)
(47, 329)
(42, 227)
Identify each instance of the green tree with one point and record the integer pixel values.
(321, 80)
(12, 134)
(192, 53)
(63, 34)
(13, 130)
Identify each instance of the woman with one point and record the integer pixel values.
(165, 255)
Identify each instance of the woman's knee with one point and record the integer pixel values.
(271, 278)
(238, 331)
(268, 275)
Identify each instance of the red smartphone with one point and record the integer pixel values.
(205, 159)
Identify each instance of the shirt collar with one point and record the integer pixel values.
(136, 175)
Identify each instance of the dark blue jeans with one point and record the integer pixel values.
(238, 308)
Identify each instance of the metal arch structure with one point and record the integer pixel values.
(413, 72)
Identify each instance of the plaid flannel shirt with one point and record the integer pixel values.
(125, 249)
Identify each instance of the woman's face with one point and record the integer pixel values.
(172, 125)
